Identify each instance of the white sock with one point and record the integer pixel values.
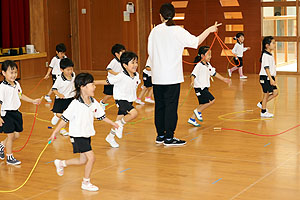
(86, 180)
(63, 162)
(123, 121)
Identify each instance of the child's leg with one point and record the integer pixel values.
(202, 107)
(50, 92)
(76, 161)
(143, 92)
(241, 72)
(264, 101)
(233, 69)
(89, 164)
(106, 98)
(130, 116)
(273, 95)
(8, 142)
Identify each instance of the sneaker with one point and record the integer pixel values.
(89, 187)
(139, 102)
(266, 115)
(54, 120)
(13, 161)
(119, 131)
(103, 105)
(198, 115)
(149, 100)
(2, 156)
(174, 142)
(64, 132)
(229, 72)
(159, 140)
(243, 77)
(260, 106)
(59, 167)
(193, 122)
(48, 99)
(111, 140)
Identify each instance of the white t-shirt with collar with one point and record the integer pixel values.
(202, 74)
(239, 49)
(165, 48)
(10, 96)
(114, 65)
(124, 86)
(65, 86)
(267, 61)
(81, 117)
(54, 64)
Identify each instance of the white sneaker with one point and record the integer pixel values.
(243, 77)
(194, 123)
(89, 187)
(111, 140)
(64, 132)
(48, 99)
(54, 120)
(229, 72)
(103, 105)
(59, 167)
(119, 131)
(198, 115)
(149, 100)
(260, 106)
(139, 102)
(266, 115)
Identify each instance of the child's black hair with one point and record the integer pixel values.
(8, 63)
(61, 47)
(66, 62)
(202, 51)
(265, 41)
(117, 48)
(167, 11)
(127, 56)
(238, 35)
(82, 79)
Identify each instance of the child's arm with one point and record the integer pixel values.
(60, 125)
(48, 73)
(192, 80)
(272, 82)
(112, 72)
(30, 100)
(1, 120)
(226, 80)
(61, 96)
(101, 82)
(111, 122)
(148, 68)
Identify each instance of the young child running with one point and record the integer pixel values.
(238, 50)
(54, 67)
(64, 91)
(11, 121)
(80, 114)
(267, 75)
(200, 80)
(147, 90)
(113, 68)
(125, 85)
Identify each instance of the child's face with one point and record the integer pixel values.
(207, 56)
(89, 89)
(241, 39)
(132, 65)
(67, 71)
(118, 55)
(272, 45)
(10, 74)
(60, 54)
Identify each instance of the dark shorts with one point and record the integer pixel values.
(108, 89)
(124, 107)
(13, 122)
(54, 77)
(81, 144)
(204, 96)
(60, 105)
(147, 80)
(266, 85)
(237, 62)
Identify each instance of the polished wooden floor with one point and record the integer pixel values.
(213, 165)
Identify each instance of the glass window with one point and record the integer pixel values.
(286, 56)
(276, 0)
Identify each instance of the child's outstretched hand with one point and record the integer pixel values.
(192, 83)
(227, 80)
(61, 96)
(37, 101)
(46, 77)
(115, 125)
(52, 137)
(248, 48)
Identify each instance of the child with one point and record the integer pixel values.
(113, 69)
(147, 90)
(11, 122)
(80, 114)
(267, 75)
(238, 50)
(125, 85)
(64, 91)
(54, 67)
(200, 80)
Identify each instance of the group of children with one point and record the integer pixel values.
(75, 94)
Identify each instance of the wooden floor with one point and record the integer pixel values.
(213, 165)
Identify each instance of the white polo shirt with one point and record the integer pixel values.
(267, 61)
(10, 96)
(54, 64)
(165, 48)
(239, 49)
(64, 86)
(114, 65)
(81, 117)
(202, 74)
(124, 86)
(148, 64)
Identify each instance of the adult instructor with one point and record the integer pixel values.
(166, 43)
